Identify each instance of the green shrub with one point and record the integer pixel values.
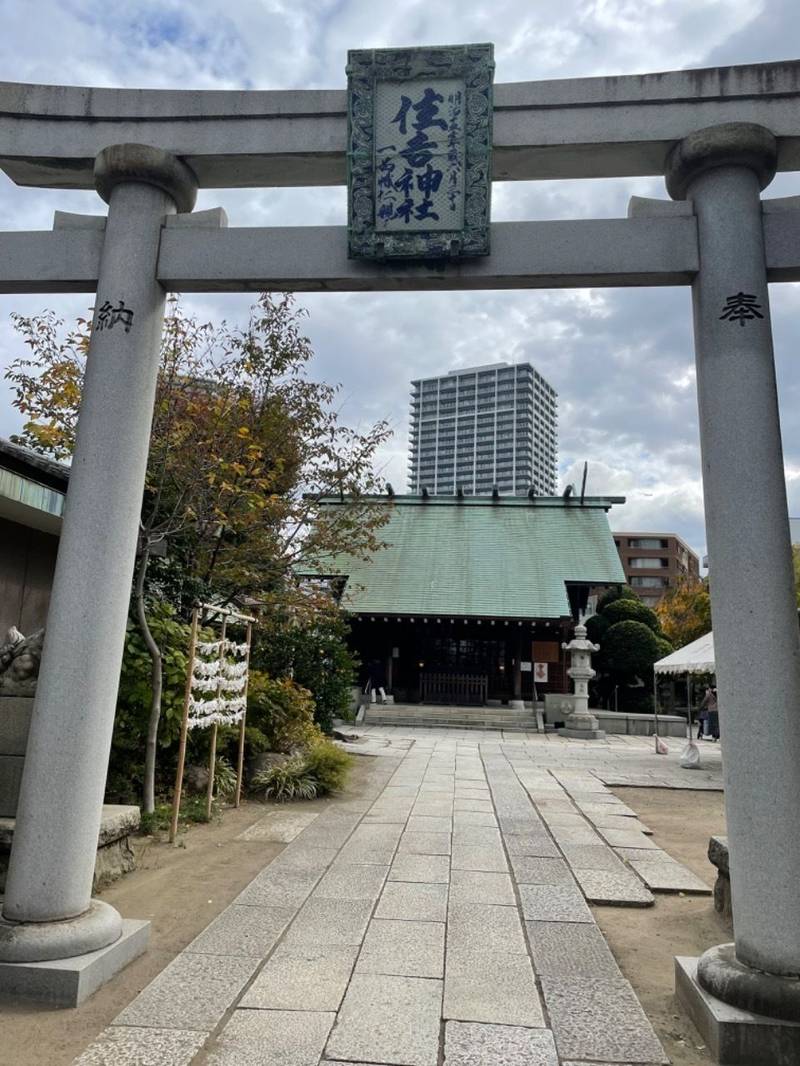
(596, 628)
(281, 712)
(224, 777)
(624, 610)
(323, 768)
(287, 781)
(328, 765)
(630, 650)
(315, 653)
(619, 592)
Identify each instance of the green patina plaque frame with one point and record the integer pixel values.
(472, 63)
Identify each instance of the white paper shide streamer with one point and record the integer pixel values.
(218, 684)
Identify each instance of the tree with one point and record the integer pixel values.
(624, 610)
(310, 645)
(630, 639)
(617, 592)
(685, 611)
(243, 449)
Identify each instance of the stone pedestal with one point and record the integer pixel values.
(718, 856)
(735, 1037)
(15, 720)
(115, 855)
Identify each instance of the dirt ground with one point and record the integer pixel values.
(645, 940)
(179, 890)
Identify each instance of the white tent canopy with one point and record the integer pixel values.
(695, 658)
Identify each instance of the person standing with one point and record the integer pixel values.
(712, 711)
(377, 681)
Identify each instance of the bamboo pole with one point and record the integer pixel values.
(240, 766)
(212, 758)
(176, 798)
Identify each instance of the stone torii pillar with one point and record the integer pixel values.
(721, 170)
(48, 913)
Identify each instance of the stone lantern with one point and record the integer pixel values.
(580, 724)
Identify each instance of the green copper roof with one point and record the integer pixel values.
(509, 558)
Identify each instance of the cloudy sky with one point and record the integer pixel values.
(621, 360)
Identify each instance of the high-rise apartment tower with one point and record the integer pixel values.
(483, 427)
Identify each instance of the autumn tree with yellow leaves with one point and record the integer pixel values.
(684, 611)
(244, 447)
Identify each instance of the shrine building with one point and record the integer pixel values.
(470, 598)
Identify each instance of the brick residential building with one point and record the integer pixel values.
(653, 562)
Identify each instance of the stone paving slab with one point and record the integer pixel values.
(314, 979)
(333, 922)
(553, 903)
(620, 838)
(432, 810)
(241, 930)
(388, 1020)
(480, 818)
(136, 1046)
(670, 877)
(403, 948)
(621, 822)
(474, 857)
(491, 987)
(571, 834)
(570, 949)
(272, 1038)
(410, 901)
(614, 888)
(478, 1044)
(474, 793)
(535, 845)
(343, 881)
(564, 819)
(426, 823)
(473, 805)
(417, 843)
(481, 886)
(481, 836)
(517, 825)
(600, 1018)
(591, 857)
(192, 992)
(653, 854)
(299, 856)
(431, 869)
(533, 871)
(279, 826)
(492, 926)
(286, 887)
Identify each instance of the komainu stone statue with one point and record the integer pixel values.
(20, 657)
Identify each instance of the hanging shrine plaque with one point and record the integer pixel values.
(419, 152)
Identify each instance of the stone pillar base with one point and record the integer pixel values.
(582, 727)
(581, 734)
(735, 1037)
(68, 982)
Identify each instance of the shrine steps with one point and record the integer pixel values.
(432, 716)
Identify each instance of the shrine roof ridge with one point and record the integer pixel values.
(415, 500)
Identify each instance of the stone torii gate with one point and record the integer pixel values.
(717, 136)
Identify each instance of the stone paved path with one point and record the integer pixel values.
(441, 917)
